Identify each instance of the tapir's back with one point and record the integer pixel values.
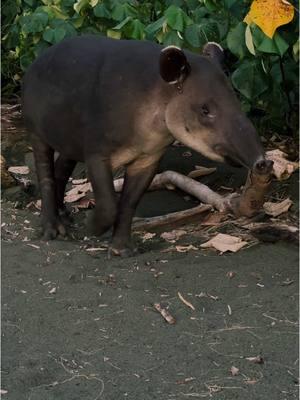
(83, 82)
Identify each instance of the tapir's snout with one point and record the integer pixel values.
(242, 145)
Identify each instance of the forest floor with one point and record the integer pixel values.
(77, 325)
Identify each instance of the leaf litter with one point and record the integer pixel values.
(224, 242)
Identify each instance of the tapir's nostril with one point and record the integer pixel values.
(263, 165)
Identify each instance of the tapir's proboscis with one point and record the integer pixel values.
(117, 103)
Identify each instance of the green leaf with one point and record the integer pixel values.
(249, 79)
(230, 3)
(235, 40)
(210, 5)
(155, 26)
(197, 35)
(172, 39)
(30, 2)
(101, 11)
(249, 40)
(137, 29)
(122, 24)
(25, 60)
(199, 14)
(59, 34)
(176, 18)
(276, 45)
(113, 34)
(121, 11)
(80, 5)
(48, 35)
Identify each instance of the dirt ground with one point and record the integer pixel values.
(76, 325)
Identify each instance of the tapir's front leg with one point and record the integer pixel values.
(100, 174)
(138, 176)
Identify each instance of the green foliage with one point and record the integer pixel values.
(263, 71)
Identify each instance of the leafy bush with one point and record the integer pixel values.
(264, 71)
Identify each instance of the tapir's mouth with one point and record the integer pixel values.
(233, 162)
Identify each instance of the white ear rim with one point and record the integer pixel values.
(216, 44)
(171, 47)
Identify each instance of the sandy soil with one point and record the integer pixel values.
(76, 325)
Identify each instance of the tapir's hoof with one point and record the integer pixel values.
(121, 252)
(53, 230)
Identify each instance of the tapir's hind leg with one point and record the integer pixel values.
(101, 177)
(63, 169)
(44, 161)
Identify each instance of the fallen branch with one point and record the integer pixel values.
(171, 179)
(179, 217)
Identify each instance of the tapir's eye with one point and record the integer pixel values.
(206, 113)
(204, 110)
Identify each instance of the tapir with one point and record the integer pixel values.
(120, 103)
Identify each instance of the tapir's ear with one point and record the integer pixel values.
(215, 52)
(173, 65)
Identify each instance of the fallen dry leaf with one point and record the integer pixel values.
(165, 314)
(77, 192)
(184, 249)
(256, 360)
(185, 380)
(21, 170)
(230, 274)
(275, 209)
(223, 243)
(214, 219)
(282, 168)
(187, 303)
(147, 236)
(172, 236)
(79, 181)
(85, 203)
(234, 371)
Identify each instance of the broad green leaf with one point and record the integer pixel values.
(296, 50)
(262, 43)
(172, 38)
(93, 3)
(77, 21)
(48, 35)
(210, 5)
(199, 14)
(101, 11)
(249, 79)
(122, 24)
(197, 35)
(276, 45)
(155, 26)
(137, 30)
(113, 34)
(121, 11)
(236, 41)
(59, 34)
(249, 40)
(176, 18)
(230, 3)
(30, 2)
(80, 4)
(25, 61)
